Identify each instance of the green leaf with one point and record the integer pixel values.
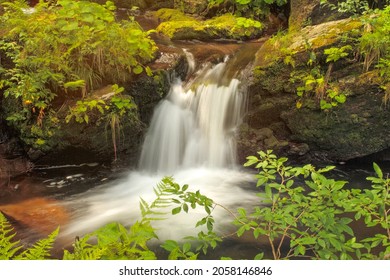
(137, 70)
(185, 207)
(176, 210)
(378, 171)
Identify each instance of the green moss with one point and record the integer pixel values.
(182, 30)
(179, 26)
(234, 27)
(172, 15)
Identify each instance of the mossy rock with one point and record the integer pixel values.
(125, 4)
(296, 43)
(191, 6)
(178, 26)
(142, 4)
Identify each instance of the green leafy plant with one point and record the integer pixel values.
(374, 47)
(114, 241)
(318, 83)
(64, 48)
(348, 6)
(305, 214)
(12, 249)
(373, 205)
(248, 8)
(302, 213)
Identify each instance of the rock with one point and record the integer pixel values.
(191, 6)
(355, 129)
(295, 43)
(298, 149)
(312, 12)
(178, 26)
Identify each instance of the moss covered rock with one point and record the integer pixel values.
(178, 26)
(356, 128)
(294, 43)
(142, 4)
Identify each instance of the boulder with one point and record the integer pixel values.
(312, 12)
(354, 129)
(179, 26)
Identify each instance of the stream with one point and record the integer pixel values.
(191, 138)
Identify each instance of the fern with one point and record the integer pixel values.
(8, 247)
(84, 250)
(41, 249)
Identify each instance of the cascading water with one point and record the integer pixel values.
(193, 128)
(192, 138)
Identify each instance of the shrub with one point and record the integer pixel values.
(61, 49)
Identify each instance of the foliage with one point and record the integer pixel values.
(306, 215)
(176, 25)
(64, 48)
(373, 205)
(248, 8)
(11, 249)
(114, 241)
(305, 210)
(356, 7)
(118, 105)
(374, 47)
(315, 82)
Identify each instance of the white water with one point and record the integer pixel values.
(192, 138)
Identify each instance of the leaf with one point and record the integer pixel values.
(137, 70)
(186, 247)
(176, 210)
(378, 171)
(185, 207)
(259, 256)
(169, 245)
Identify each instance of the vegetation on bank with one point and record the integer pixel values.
(301, 213)
(60, 51)
(311, 56)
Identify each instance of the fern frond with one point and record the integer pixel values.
(41, 249)
(84, 250)
(8, 247)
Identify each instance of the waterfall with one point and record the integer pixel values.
(192, 138)
(195, 127)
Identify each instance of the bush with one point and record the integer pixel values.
(63, 49)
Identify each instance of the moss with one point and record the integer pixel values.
(182, 30)
(233, 27)
(172, 15)
(179, 26)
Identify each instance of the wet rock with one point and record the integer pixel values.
(298, 149)
(251, 140)
(355, 129)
